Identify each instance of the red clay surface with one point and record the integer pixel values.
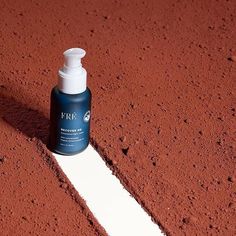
(162, 74)
(35, 197)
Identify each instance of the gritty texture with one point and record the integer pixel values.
(36, 198)
(162, 75)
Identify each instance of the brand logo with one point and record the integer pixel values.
(68, 116)
(87, 116)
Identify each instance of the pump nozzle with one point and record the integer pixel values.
(72, 77)
(73, 57)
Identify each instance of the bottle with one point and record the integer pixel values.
(70, 107)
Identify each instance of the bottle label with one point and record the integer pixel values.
(73, 129)
(69, 137)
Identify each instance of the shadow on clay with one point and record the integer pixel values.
(30, 122)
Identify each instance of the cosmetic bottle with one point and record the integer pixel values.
(70, 107)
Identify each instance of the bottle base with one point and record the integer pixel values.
(67, 153)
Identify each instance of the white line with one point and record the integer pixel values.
(117, 211)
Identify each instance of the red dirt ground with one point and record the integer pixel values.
(162, 75)
(35, 197)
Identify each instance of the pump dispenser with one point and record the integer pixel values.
(70, 106)
(73, 77)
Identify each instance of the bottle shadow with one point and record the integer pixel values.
(30, 122)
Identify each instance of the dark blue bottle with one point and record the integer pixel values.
(70, 107)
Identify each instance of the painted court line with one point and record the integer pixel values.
(111, 204)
